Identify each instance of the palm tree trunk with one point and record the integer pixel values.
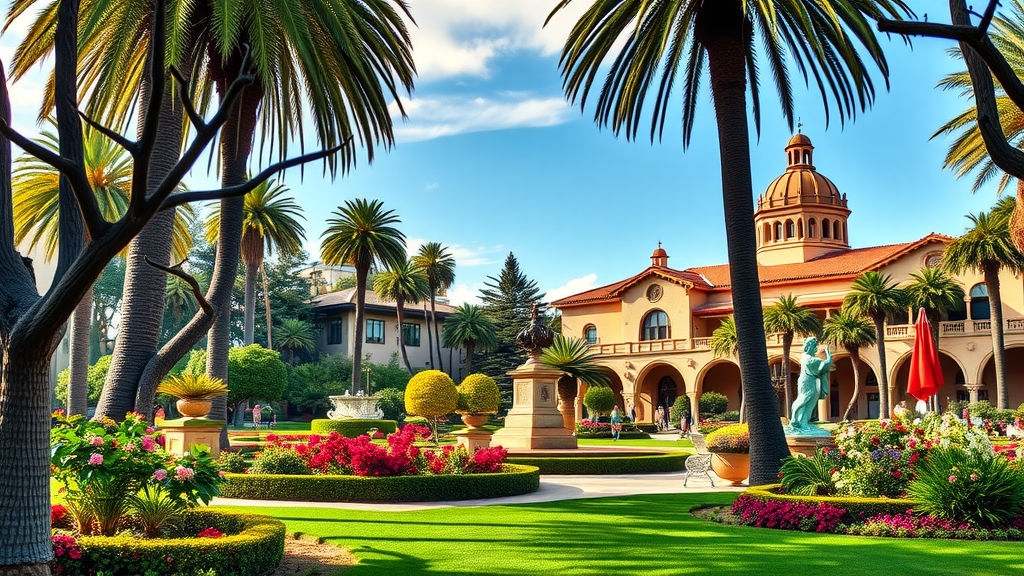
(725, 32)
(250, 305)
(357, 346)
(430, 336)
(883, 380)
(437, 333)
(855, 358)
(787, 347)
(78, 371)
(266, 304)
(400, 307)
(995, 301)
(469, 356)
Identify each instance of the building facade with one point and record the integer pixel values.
(652, 331)
(336, 321)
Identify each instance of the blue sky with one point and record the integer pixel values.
(492, 159)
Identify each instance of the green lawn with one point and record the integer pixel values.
(644, 535)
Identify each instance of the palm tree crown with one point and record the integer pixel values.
(361, 233)
(439, 266)
(271, 221)
(724, 339)
(295, 335)
(404, 284)
(874, 294)
(573, 356)
(786, 316)
(470, 328)
(935, 291)
(987, 242)
(845, 329)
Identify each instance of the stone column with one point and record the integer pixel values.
(181, 435)
(972, 389)
(534, 422)
(694, 408)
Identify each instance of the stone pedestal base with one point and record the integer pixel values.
(805, 445)
(534, 422)
(474, 439)
(181, 435)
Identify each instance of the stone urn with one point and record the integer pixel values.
(193, 408)
(475, 420)
(734, 468)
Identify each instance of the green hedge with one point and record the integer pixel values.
(512, 481)
(635, 464)
(255, 546)
(856, 508)
(352, 428)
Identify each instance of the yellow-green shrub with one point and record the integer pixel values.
(478, 394)
(734, 439)
(431, 393)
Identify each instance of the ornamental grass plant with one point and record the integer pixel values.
(956, 485)
(811, 476)
(193, 387)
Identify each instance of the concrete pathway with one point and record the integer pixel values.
(552, 489)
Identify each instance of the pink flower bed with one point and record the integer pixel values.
(787, 515)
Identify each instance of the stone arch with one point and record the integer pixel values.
(721, 375)
(812, 225)
(615, 385)
(778, 231)
(841, 387)
(953, 372)
(1014, 375)
(790, 229)
(653, 388)
(826, 228)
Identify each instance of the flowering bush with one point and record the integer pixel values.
(911, 526)
(785, 515)
(732, 439)
(210, 533)
(65, 552)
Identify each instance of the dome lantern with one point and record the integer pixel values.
(659, 258)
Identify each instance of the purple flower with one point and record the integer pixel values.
(96, 459)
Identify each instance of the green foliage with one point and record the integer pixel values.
(469, 327)
(986, 242)
(809, 476)
(732, 439)
(96, 376)
(193, 387)
(936, 291)
(275, 460)
(786, 316)
(310, 384)
(980, 489)
(713, 403)
(478, 394)
(727, 416)
(390, 375)
(507, 299)
(848, 330)
(856, 508)
(391, 402)
(724, 339)
(983, 409)
(1019, 412)
(431, 393)
(232, 462)
(680, 408)
(512, 481)
(251, 544)
(599, 399)
(294, 336)
(572, 355)
(635, 464)
(352, 428)
(362, 233)
(255, 373)
(154, 511)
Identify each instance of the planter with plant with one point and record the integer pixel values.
(195, 394)
(478, 399)
(431, 394)
(730, 449)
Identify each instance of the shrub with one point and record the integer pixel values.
(254, 373)
(431, 393)
(391, 402)
(728, 416)
(478, 394)
(352, 428)
(981, 490)
(96, 376)
(707, 427)
(680, 408)
(511, 481)
(630, 430)
(232, 462)
(810, 476)
(785, 515)
(713, 403)
(309, 385)
(1019, 412)
(634, 464)
(599, 399)
(732, 439)
(276, 460)
(983, 409)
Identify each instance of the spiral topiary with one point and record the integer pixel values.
(431, 393)
(478, 394)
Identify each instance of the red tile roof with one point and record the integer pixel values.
(613, 291)
(348, 296)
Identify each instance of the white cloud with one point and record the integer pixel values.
(465, 294)
(437, 116)
(432, 186)
(465, 256)
(574, 286)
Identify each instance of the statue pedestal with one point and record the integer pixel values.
(474, 439)
(806, 445)
(182, 434)
(534, 422)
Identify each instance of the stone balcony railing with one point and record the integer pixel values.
(955, 328)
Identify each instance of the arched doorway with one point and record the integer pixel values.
(615, 385)
(841, 385)
(952, 376)
(777, 372)
(1014, 379)
(657, 385)
(722, 376)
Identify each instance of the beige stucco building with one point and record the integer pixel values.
(652, 331)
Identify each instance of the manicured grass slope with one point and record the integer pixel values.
(642, 535)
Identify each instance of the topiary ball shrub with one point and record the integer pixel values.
(279, 461)
(680, 408)
(391, 402)
(713, 403)
(352, 428)
(431, 393)
(734, 439)
(478, 394)
(599, 399)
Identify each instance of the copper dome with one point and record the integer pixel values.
(801, 183)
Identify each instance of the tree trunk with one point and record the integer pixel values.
(855, 358)
(357, 346)
(883, 381)
(725, 32)
(266, 304)
(430, 335)
(78, 371)
(25, 464)
(437, 333)
(400, 307)
(249, 310)
(995, 302)
(787, 347)
(469, 344)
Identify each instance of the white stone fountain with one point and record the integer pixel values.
(358, 407)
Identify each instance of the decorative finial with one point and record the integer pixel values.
(799, 126)
(659, 243)
(535, 336)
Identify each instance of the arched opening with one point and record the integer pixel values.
(841, 385)
(800, 228)
(766, 233)
(790, 229)
(807, 156)
(655, 326)
(846, 237)
(980, 309)
(658, 385)
(826, 228)
(1014, 379)
(723, 377)
(590, 334)
(778, 231)
(615, 385)
(952, 380)
(835, 230)
(812, 228)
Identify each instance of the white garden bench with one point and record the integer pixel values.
(699, 464)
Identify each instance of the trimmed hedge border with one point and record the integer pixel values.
(634, 464)
(351, 428)
(511, 481)
(256, 548)
(856, 508)
(622, 435)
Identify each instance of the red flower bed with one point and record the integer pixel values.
(1008, 450)
(787, 515)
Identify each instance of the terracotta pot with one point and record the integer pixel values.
(475, 420)
(734, 468)
(191, 408)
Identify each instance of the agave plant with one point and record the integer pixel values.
(192, 387)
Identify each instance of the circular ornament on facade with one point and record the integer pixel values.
(654, 293)
(933, 260)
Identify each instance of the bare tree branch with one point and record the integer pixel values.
(252, 183)
(189, 279)
(186, 102)
(131, 147)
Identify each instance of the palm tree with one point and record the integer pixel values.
(439, 266)
(988, 249)
(876, 296)
(790, 319)
(851, 332)
(725, 344)
(403, 283)
(269, 221)
(937, 292)
(361, 233)
(572, 356)
(37, 220)
(631, 43)
(471, 329)
(295, 335)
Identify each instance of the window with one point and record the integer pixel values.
(590, 334)
(898, 318)
(833, 400)
(655, 326)
(811, 228)
(835, 230)
(800, 228)
(778, 231)
(375, 331)
(334, 332)
(411, 333)
(873, 403)
(872, 379)
(766, 235)
(980, 309)
(826, 229)
(790, 229)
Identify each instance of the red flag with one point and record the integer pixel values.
(925, 371)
